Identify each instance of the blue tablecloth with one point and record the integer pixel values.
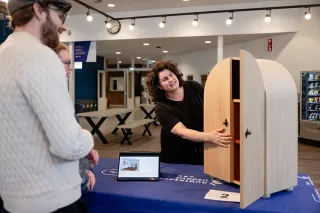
(182, 189)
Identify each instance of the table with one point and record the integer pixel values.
(182, 189)
(104, 114)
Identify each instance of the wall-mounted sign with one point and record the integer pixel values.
(85, 51)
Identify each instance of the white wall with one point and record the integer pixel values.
(296, 51)
(250, 22)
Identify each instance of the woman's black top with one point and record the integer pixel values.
(189, 112)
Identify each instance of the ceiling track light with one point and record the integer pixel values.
(89, 17)
(229, 21)
(268, 16)
(307, 15)
(195, 21)
(161, 25)
(131, 27)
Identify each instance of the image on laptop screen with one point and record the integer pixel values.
(138, 166)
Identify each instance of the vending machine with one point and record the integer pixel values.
(310, 105)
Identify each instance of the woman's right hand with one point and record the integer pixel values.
(220, 138)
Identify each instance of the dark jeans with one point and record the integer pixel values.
(1, 204)
(77, 207)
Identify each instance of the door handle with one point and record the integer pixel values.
(248, 132)
(226, 122)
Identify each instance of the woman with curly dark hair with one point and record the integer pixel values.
(179, 109)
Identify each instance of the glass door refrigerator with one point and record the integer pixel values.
(310, 105)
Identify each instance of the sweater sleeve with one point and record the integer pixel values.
(44, 85)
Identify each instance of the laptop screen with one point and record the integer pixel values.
(138, 166)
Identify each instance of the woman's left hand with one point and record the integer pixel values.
(91, 181)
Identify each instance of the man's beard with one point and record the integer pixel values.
(49, 33)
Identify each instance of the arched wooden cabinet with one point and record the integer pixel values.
(256, 101)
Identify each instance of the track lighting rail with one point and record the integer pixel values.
(221, 11)
(92, 8)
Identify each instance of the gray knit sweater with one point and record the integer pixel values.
(40, 141)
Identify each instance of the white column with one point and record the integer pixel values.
(147, 62)
(72, 75)
(118, 64)
(220, 49)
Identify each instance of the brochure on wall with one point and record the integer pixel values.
(223, 196)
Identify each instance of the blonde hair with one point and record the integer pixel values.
(60, 48)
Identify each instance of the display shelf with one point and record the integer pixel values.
(310, 87)
(310, 105)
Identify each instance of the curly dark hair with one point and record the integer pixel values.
(153, 78)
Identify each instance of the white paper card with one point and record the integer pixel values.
(223, 196)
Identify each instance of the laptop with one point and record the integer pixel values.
(139, 166)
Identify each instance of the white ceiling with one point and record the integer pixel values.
(130, 5)
(135, 48)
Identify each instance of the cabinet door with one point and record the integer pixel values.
(217, 104)
(252, 130)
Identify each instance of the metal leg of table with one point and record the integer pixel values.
(95, 128)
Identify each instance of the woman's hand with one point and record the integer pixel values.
(94, 157)
(218, 137)
(91, 181)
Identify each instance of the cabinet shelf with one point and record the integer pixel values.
(236, 100)
(236, 182)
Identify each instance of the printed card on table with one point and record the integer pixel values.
(223, 196)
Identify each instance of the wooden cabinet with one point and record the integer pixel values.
(254, 100)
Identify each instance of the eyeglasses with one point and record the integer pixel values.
(67, 63)
(63, 16)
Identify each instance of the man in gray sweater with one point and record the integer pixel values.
(40, 140)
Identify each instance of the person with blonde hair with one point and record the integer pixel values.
(88, 178)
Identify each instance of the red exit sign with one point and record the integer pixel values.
(269, 44)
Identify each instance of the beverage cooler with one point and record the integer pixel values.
(310, 105)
